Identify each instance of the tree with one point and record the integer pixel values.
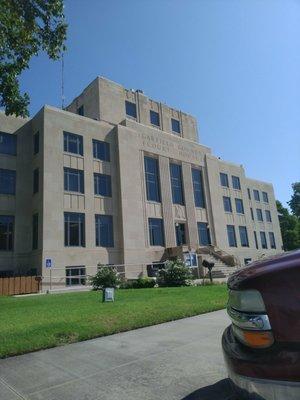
(26, 28)
(294, 203)
(290, 228)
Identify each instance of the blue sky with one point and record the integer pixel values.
(234, 64)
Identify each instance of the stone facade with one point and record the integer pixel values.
(130, 139)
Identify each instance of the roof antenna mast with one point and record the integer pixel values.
(62, 82)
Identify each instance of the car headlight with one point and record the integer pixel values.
(246, 301)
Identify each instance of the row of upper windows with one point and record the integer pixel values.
(8, 143)
(256, 195)
(7, 224)
(130, 109)
(236, 184)
(153, 189)
(232, 241)
(259, 215)
(73, 143)
(239, 206)
(74, 182)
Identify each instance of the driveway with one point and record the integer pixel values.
(176, 360)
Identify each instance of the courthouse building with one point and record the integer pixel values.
(118, 178)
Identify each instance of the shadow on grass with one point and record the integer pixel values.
(219, 391)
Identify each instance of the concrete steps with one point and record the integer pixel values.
(220, 269)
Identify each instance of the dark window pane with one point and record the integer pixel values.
(36, 179)
(272, 240)
(227, 204)
(8, 143)
(203, 234)
(73, 180)
(236, 182)
(104, 230)
(252, 215)
(154, 118)
(263, 240)
(180, 234)
(198, 188)
(74, 229)
(224, 179)
(156, 232)
(255, 239)
(73, 143)
(231, 236)
(130, 109)
(259, 214)
(244, 236)
(256, 195)
(265, 197)
(152, 179)
(176, 184)
(101, 150)
(36, 143)
(102, 184)
(35, 231)
(80, 110)
(268, 216)
(175, 125)
(7, 181)
(249, 194)
(239, 206)
(75, 276)
(6, 232)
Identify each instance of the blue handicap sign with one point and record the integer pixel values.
(48, 262)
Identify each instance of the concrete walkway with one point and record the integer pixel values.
(175, 360)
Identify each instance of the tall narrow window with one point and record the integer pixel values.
(263, 240)
(259, 214)
(255, 239)
(104, 230)
(224, 179)
(156, 232)
(175, 125)
(102, 185)
(236, 184)
(244, 236)
(73, 180)
(231, 236)
(35, 231)
(74, 229)
(154, 118)
(227, 204)
(252, 215)
(249, 194)
(176, 184)
(36, 180)
(101, 150)
(7, 181)
(272, 240)
(180, 234)
(36, 143)
(239, 206)
(6, 232)
(203, 234)
(130, 109)
(265, 197)
(198, 188)
(73, 143)
(80, 110)
(152, 179)
(268, 216)
(8, 143)
(256, 195)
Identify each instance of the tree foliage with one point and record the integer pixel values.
(106, 277)
(290, 228)
(26, 28)
(294, 203)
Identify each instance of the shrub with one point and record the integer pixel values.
(175, 273)
(106, 277)
(138, 284)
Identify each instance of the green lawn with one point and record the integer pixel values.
(38, 322)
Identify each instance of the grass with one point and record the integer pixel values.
(39, 322)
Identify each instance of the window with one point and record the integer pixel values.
(268, 216)
(75, 276)
(231, 236)
(256, 195)
(8, 143)
(180, 234)
(227, 204)
(154, 118)
(176, 184)
(236, 184)
(102, 185)
(74, 229)
(259, 214)
(239, 206)
(104, 230)
(73, 143)
(252, 215)
(156, 232)
(175, 125)
(263, 240)
(272, 240)
(249, 194)
(130, 109)
(247, 261)
(36, 143)
(152, 179)
(36, 179)
(244, 236)
(203, 234)
(265, 197)
(6, 232)
(101, 150)
(255, 239)
(73, 180)
(224, 179)
(7, 181)
(35, 231)
(80, 110)
(198, 188)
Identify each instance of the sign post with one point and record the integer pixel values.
(49, 265)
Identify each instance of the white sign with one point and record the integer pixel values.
(48, 263)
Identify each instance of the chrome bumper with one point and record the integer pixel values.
(263, 389)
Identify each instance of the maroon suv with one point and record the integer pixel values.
(262, 345)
